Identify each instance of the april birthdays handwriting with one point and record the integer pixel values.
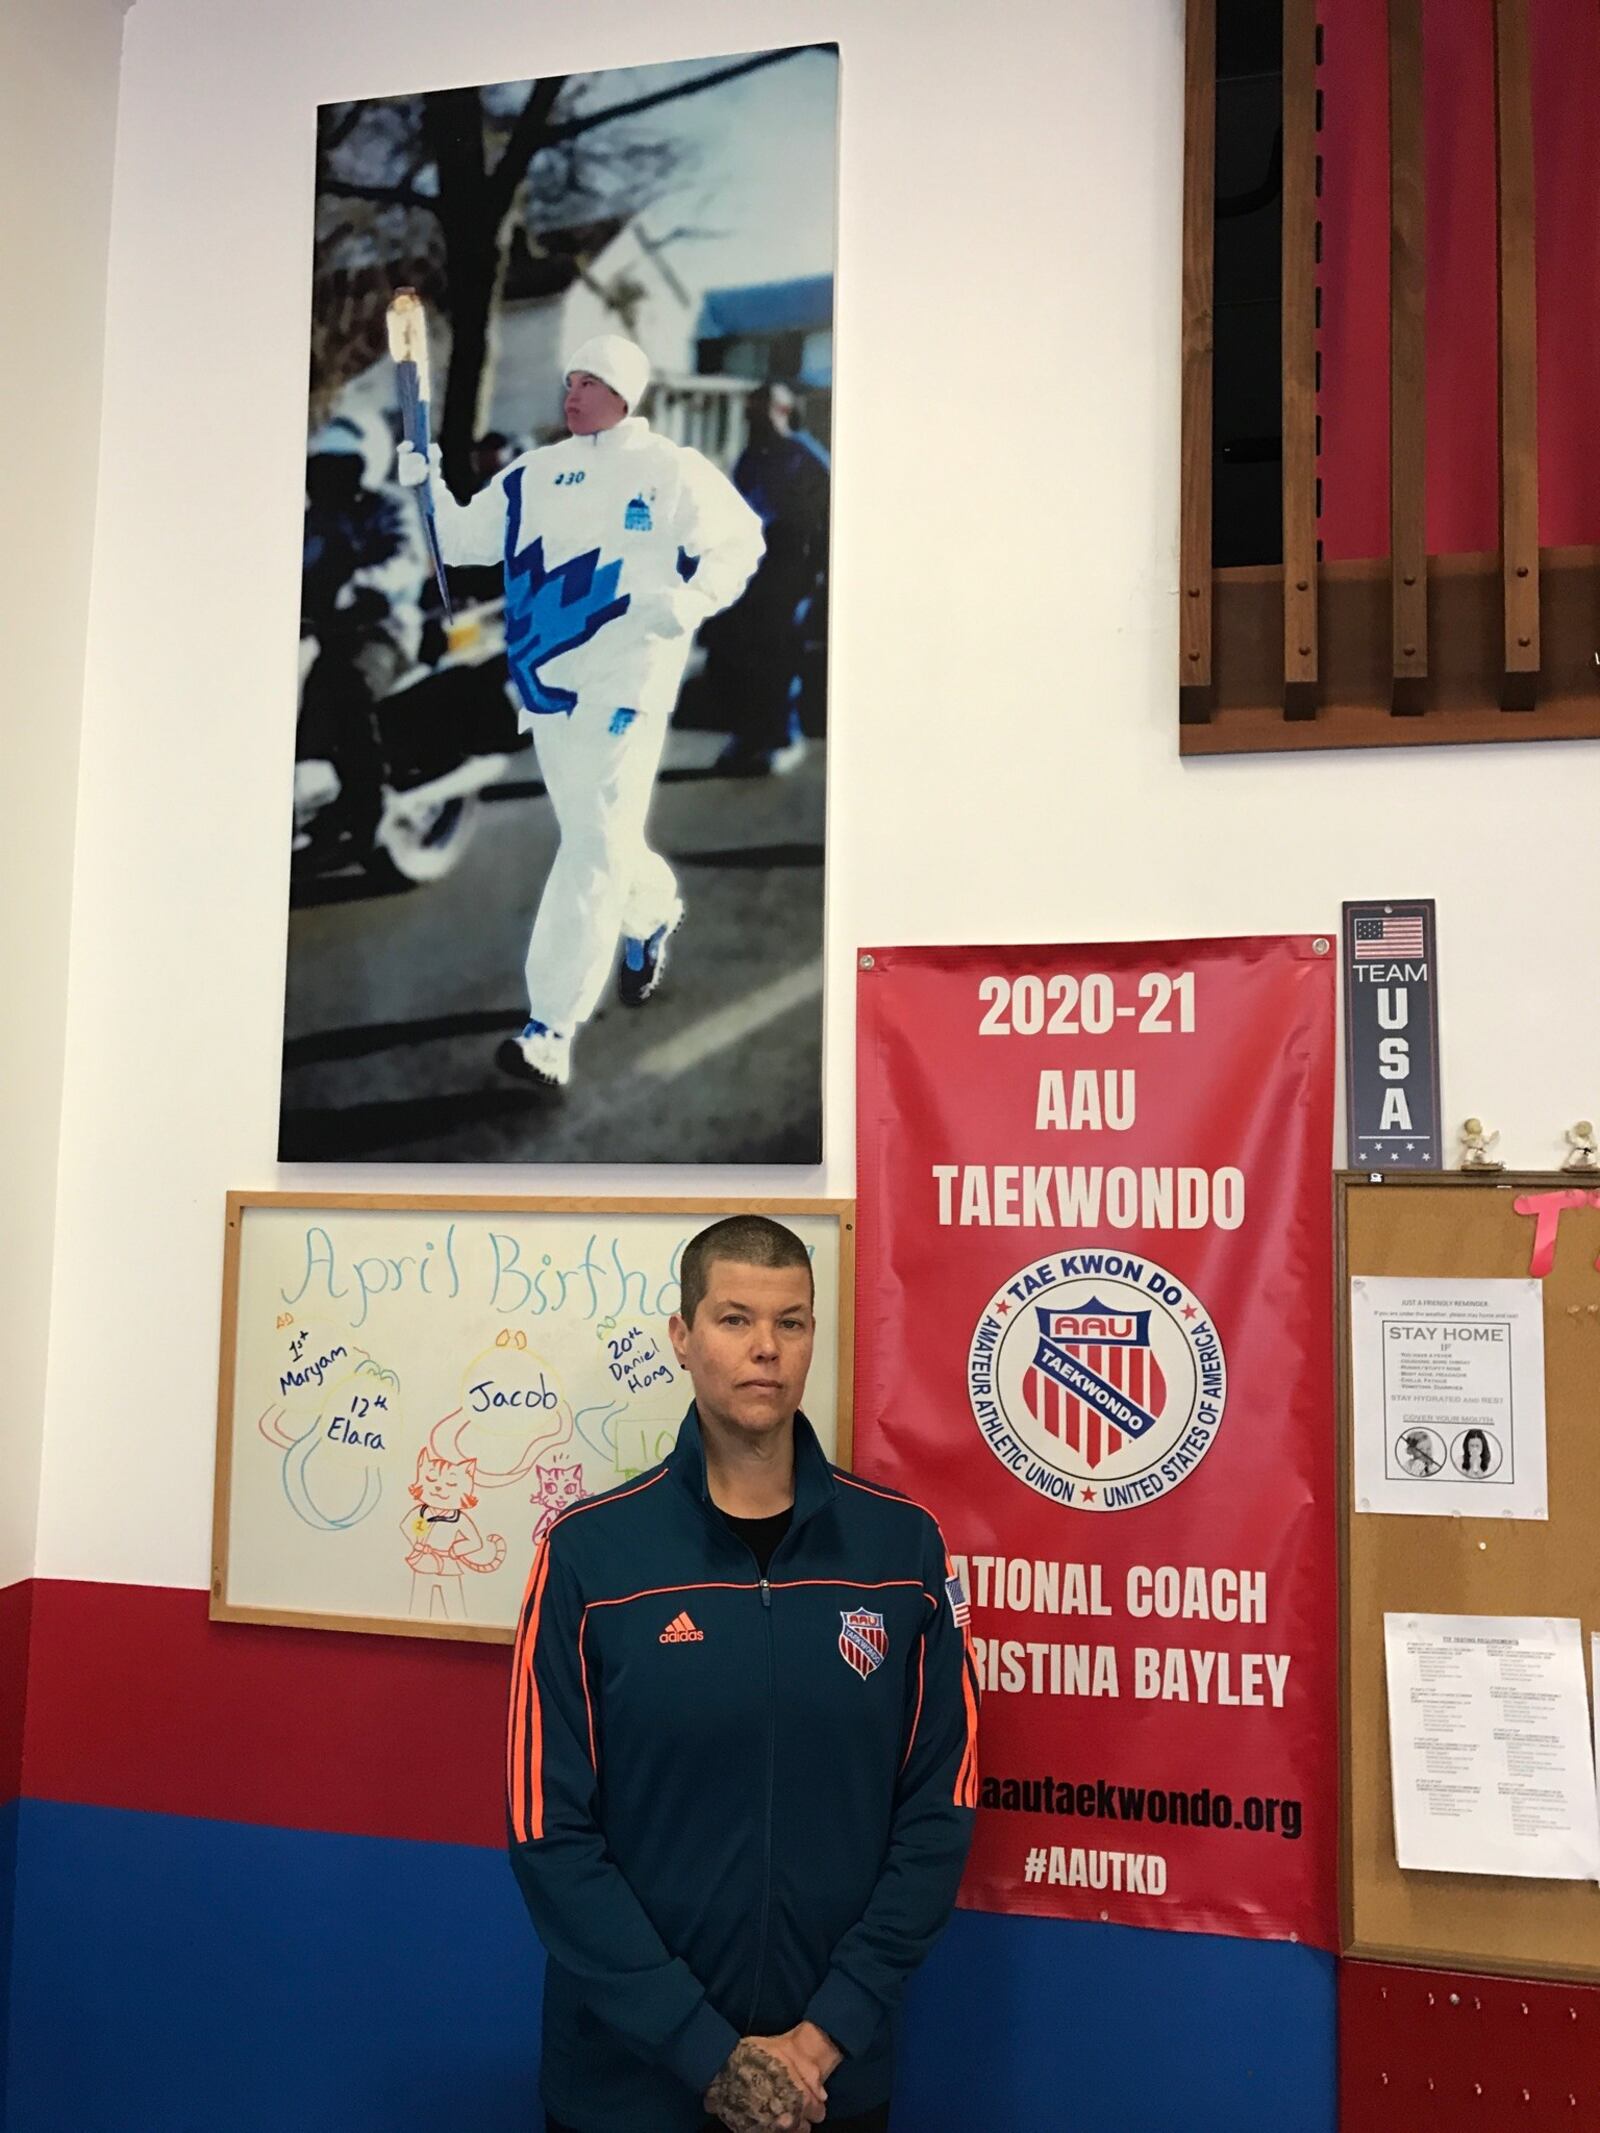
(493, 1266)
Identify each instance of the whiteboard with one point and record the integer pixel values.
(412, 1389)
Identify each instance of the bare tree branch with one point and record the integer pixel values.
(384, 195)
(342, 127)
(533, 132)
(685, 232)
(584, 122)
(527, 137)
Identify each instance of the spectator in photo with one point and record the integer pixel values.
(754, 661)
(361, 587)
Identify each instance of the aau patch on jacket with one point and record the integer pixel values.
(863, 1639)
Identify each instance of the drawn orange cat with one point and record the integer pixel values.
(445, 1543)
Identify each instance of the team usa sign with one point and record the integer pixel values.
(1391, 1036)
(1094, 1203)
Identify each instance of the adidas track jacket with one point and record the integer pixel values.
(735, 1802)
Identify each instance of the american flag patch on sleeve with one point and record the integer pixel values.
(956, 1593)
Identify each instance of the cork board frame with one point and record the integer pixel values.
(1464, 1227)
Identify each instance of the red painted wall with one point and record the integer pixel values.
(16, 1608)
(136, 1699)
(1435, 2051)
(1463, 364)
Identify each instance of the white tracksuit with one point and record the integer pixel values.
(616, 547)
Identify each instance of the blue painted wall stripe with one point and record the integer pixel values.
(9, 1812)
(179, 1976)
(1029, 2025)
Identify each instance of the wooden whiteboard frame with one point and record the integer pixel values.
(222, 1610)
(1448, 1572)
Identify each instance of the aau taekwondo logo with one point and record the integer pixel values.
(863, 1639)
(1098, 1379)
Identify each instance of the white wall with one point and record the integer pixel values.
(1003, 758)
(58, 107)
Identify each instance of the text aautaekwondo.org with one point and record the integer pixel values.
(1101, 1800)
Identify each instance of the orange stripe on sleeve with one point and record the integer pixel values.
(966, 1792)
(514, 1713)
(525, 1726)
(966, 1784)
(527, 1793)
(916, 1716)
(854, 1481)
(583, 1676)
(516, 1717)
(604, 1503)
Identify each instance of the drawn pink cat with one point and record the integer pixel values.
(559, 1488)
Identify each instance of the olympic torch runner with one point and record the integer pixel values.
(616, 545)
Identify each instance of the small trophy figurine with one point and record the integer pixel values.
(1584, 1160)
(1476, 1146)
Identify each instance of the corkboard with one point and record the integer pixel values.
(1466, 1228)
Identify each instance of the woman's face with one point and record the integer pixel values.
(591, 405)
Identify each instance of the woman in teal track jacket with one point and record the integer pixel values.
(737, 1801)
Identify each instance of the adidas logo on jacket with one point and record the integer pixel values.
(680, 1630)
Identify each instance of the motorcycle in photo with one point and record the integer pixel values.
(404, 721)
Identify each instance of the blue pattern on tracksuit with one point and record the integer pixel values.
(615, 548)
(549, 612)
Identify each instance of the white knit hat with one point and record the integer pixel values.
(616, 362)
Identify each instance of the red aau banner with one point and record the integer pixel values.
(1094, 1337)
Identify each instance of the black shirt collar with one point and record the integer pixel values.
(814, 1484)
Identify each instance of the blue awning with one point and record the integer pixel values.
(765, 308)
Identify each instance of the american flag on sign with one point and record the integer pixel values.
(1388, 937)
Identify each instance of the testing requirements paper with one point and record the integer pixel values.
(1448, 1397)
(1489, 1746)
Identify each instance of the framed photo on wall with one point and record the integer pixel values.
(558, 845)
